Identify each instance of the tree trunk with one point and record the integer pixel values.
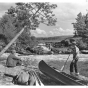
(17, 35)
(13, 40)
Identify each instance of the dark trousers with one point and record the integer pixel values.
(73, 66)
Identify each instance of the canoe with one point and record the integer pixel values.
(79, 78)
(58, 76)
(84, 51)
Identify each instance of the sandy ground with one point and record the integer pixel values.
(36, 59)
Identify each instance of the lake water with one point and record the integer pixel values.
(82, 57)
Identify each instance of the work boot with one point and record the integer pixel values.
(77, 74)
(71, 73)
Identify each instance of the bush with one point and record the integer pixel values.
(55, 50)
(38, 50)
(82, 45)
(65, 43)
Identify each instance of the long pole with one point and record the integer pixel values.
(13, 40)
(65, 63)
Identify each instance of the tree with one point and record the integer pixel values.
(33, 41)
(75, 34)
(32, 14)
(3, 38)
(29, 15)
(65, 43)
(80, 25)
(82, 45)
(7, 27)
(3, 41)
(81, 29)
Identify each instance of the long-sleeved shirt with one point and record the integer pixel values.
(12, 61)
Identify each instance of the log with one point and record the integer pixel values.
(13, 40)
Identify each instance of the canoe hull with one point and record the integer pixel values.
(58, 76)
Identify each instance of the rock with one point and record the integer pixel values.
(11, 71)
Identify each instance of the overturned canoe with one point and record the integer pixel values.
(84, 51)
(61, 77)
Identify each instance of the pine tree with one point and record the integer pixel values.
(80, 25)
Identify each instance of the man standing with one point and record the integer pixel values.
(12, 60)
(73, 65)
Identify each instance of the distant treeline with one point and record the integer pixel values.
(55, 38)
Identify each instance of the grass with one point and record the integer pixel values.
(82, 67)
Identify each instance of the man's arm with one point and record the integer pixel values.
(15, 58)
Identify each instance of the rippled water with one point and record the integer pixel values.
(82, 57)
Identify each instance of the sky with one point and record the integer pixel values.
(66, 12)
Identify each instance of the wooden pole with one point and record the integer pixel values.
(65, 63)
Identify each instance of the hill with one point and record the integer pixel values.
(53, 39)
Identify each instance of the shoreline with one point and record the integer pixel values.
(63, 57)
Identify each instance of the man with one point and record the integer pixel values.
(12, 60)
(73, 65)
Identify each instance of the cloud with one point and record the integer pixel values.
(65, 12)
(68, 11)
(5, 6)
(51, 33)
(60, 31)
(55, 32)
(2, 13)
(38, 32)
